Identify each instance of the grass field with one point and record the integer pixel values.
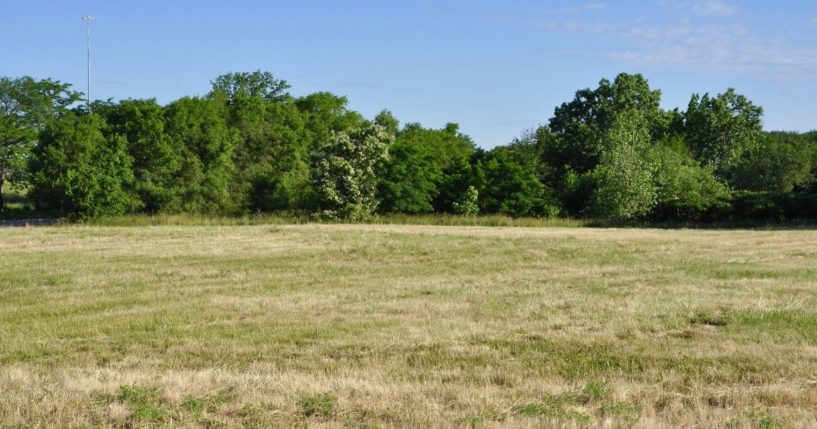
(407, 326)
(15, 199)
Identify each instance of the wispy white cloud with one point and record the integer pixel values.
(725, 48)
(683, 39)
(701, 7)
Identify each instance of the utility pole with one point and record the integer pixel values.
(88, 18)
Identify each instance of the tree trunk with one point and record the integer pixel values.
(2, 202)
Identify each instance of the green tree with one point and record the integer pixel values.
(275, 163)
(79, 171)
(581, 126)
(26, 107)
(529, 149)
(409, 182)
(509, 187)
(155, 159)
(685, 190)
(249, 85)
(326, 114)
(271, 157)
(198, 130)
(625, 188)
(779, 162)
(720, 130)
(387, 120)
(452, 152)
(345, 173)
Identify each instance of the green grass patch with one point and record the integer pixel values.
(553, 407)
(777, 326)
(144, 403)
(316, 405)
(205, 404)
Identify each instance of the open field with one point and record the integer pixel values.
(15, 199)
(410, 326)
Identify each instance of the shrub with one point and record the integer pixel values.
(624, 185)
(685, 189)
(468, 206)
(512, 188)
(346, 173)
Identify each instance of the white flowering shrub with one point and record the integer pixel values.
(345, 173)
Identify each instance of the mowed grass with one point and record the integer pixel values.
(406, 326)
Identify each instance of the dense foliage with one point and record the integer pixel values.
(250, 146)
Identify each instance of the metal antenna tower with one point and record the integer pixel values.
(88, 18)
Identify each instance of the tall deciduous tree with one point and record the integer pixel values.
(155, 159)
(26, 106)
(452, 152)
(779, 162)
(256, 84)
(198, 129)
(326, 114)
(410, 179)
(625, 188)
(581, 126)
(509, 187)
(387, 120)
(685, 190)
(80, 171)
(271, 157)
(720, 129)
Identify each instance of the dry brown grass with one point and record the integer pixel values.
(406, 326)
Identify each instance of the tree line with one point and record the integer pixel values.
(250, 146)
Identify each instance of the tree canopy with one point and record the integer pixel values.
(27, 106)
(249, 146)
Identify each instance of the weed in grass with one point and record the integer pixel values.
(707, 317)
(143, 403)
(317, 405)
(593, 391)
(553, 406)
(206, 403)
(763, 419)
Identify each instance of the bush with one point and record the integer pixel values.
(624, 185)
(468, 206)
(79, 171)
(512, 188)
(346, 173)
(685, 189)
(409, 183)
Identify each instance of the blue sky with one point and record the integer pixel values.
(495, 67)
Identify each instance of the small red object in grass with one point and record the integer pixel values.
(26, 224)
